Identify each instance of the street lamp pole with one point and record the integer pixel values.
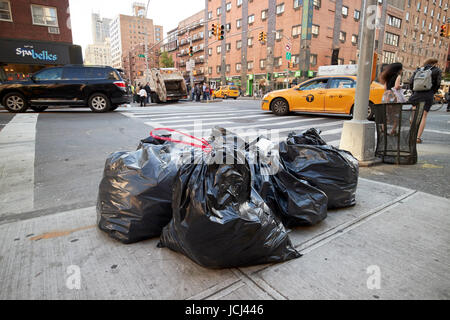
(358, 135)
(147, 70)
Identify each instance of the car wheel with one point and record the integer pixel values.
(280, 107)
(235, 98)
(15, 102)
(225, 97)
(39, 108)
(99, 103)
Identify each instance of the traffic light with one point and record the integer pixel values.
(221, 33)
(262, 36)
(214, 29)
(191, 51)
(443, 30)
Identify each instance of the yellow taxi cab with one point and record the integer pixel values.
(325, 94)
(226, 92)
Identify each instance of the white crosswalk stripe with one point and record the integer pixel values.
(247, 123)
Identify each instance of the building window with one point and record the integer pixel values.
(227, 68)
(249, 42)
(341, 61)
(391, 39)
(228, 6)
(388, 57)
(264, 14)
(344, 11)
(219, 9)
(354, 39)
(296, 30)
(279, 35)
(238, 44)
(5, 11)
(394, 22)
(280, 8)
(44, 16)
(219, 49)
(218, 69)
(228, 46)
(313, 59)
(317, 3)
(342, 36)
(209, 15)
(251, 19)
(238, 67)
(238, 23)
(262, 63)
(296, 4)
(250, 65)
(239, 3)
(357, 15)
(315, 30)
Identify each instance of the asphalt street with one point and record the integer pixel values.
(71, 146)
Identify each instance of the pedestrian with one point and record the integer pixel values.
(208, 92)
(447, 99)
(149, 91)
(425, 83)
(142, 96)
(391, 78)
(198, 93)
(193, 93)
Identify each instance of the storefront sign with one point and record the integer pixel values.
(33, 52)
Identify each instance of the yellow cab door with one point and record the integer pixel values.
(340, 95)
(218, 92)
(310, 96)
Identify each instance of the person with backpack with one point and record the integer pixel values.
(425, 83)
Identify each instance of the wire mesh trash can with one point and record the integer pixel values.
(397, 128)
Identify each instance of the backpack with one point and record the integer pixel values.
(423, 79)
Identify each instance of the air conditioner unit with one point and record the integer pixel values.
(53, 30)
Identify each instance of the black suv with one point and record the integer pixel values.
(100, 88)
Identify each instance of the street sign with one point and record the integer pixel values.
(288, 56)
(288, 47)
(141, 56)
(190, 65)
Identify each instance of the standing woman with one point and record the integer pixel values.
(391, 77)
(428, 95)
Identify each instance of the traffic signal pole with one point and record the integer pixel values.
(358, 135)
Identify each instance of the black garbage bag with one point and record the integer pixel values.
(325, 167)
(310, 137)
(219, 220)
(293, 200)
(135, 195)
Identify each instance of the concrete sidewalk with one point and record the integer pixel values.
(394, 244)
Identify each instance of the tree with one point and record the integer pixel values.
(166, 61)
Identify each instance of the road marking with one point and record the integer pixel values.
(437, 131)
(17, 146)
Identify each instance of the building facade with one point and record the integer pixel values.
(98, 54)
(100, 28)
(315, 33)
(128, 32)
(33, 35)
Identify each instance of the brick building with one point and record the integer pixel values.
(420, 34)
(128, 32)
(35, 34)
(407, 31)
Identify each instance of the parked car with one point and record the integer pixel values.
(331, 95)
(102, 89)
(226, 92)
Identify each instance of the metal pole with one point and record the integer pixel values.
(358, 135)
(365, 62)
(147, 71)
(191, 73)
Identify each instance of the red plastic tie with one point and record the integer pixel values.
(204, 144)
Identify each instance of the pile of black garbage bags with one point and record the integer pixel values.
(230, 207)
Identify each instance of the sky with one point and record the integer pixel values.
(163, 12)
